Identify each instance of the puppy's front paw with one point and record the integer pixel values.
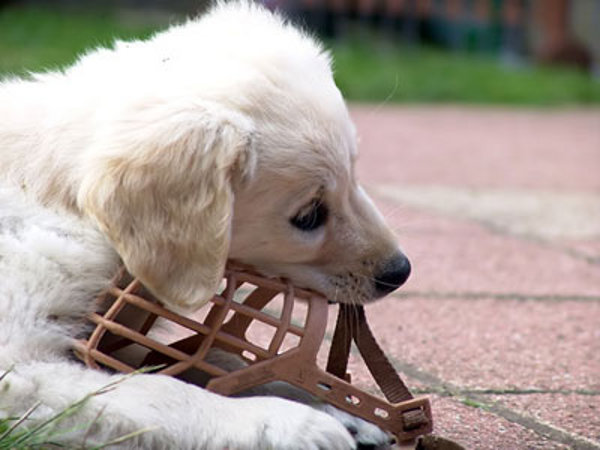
(273, 423)
(366, 434)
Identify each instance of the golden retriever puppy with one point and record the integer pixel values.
(224, 137)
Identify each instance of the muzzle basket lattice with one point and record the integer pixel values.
(283, 347)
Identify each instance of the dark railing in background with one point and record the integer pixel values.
(514, 28)
(475, 24)
(549, 31)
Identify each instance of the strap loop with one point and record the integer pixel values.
(352, 325)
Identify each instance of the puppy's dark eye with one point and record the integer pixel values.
(311, 217)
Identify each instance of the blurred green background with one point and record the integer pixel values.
(381, 54)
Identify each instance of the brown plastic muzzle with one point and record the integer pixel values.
(274, 327)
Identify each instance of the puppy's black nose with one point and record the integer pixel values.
(392, 275)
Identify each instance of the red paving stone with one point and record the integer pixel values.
(579, 414)
(475, 428)
(460, 256)
(485, 308)
(490, 147)
(495, 344)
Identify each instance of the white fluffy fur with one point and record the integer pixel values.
(172, 155)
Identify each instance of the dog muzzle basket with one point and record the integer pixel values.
(274, 328)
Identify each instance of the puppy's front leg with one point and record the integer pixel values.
(179, 415)
(364, 433)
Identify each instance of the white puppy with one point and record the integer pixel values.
(225, 137)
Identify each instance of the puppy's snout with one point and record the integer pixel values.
(392, 275)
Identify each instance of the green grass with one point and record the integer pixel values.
(422, 74)
(33, 39)
(16, 433)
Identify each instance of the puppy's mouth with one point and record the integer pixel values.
(352, 286)
(373, 283)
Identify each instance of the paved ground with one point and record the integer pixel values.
(499, 211)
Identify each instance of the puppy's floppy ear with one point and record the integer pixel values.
(161, 189)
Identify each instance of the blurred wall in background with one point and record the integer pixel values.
(548, 31)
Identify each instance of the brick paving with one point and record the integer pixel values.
(499, 211)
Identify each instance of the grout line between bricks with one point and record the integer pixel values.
(575, 441)
(480, 400)
(586, 392)
(546, 243)
(449, 295)
(496, 229)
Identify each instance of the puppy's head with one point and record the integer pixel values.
(303, 215)
(239, 146)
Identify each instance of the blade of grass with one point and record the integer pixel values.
(42, 433)
(67, 412)
(125, 437)
(89, 428)
(10, 369)
(19, 421)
